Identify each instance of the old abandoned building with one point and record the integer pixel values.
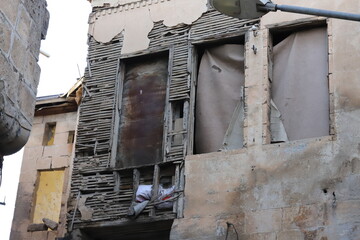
(46, 168)
(195, 125)
(23, 23)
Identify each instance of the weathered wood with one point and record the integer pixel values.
(155, 188)
(50, 223)
(37, 227)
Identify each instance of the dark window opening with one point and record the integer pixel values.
(219, 97)
(71, 137)
(300, 91)
(177, 127)
(159, 230)
(49, 134)
(142, 111)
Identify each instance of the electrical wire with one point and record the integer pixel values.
(227, 230)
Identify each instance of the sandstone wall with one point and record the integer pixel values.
(38, 157)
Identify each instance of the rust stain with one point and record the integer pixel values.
(142, 120)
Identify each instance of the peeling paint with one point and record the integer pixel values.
(136, 20)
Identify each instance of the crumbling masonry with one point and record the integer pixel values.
(271, 178)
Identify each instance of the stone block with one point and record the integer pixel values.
(347, 212)
(31, 154)
(61, 138)
(231, 223)
(32, 72)
(66, 126)
(260, 236)
(35, 41)
(50, 223)
(304, 216)
(9, 9)
(38, 120)
(36, 137)
(55, 118)
(60, 162)
(18, 51)
(43, 235)
(5, 35)
(43, 163)
(9, 79)
(27, 100)
(293, 235)
(24, 25)
(263, 221)
(58, 150)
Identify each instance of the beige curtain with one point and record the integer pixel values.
(220, 80)
(300, 84)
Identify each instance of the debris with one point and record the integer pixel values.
(50, 223)
(37, 227)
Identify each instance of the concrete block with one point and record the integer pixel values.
(43, 163)
(60, 162)
(5, 35)
(263, 221)
(9, 9)
(24, 25)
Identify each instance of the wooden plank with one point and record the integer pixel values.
(155, 189)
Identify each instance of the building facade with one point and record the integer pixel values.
(41, 203)
(195, 125)
(22, 26)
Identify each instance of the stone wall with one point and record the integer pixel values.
(305, 189)
(38, 157)
(23, 23)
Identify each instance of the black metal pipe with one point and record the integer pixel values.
(310, 11)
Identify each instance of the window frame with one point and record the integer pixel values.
(297, 26)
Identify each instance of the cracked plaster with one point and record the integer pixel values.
(135, 20)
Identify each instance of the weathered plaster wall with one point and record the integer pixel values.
(36, 158)
(135, 20)
(23, 23)
(307, 189)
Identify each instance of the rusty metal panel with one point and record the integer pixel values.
(142, 118)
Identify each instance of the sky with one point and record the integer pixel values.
(66, 43)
